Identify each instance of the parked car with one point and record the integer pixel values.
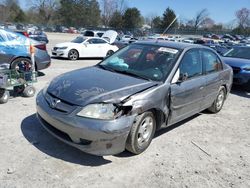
(239, 59)
(123, 100)
(39, 36)
(87, 47)
(14, 50)
(92, 33)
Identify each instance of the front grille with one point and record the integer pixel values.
(62, 134)
(56, 131)
(58, 104)
(236, 70)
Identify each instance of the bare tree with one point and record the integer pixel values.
(243, 17)
(199, 18)
(46, 9)
(109, 7)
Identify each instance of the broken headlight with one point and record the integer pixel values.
(100, 111)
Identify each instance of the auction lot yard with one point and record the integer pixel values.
(31, 157)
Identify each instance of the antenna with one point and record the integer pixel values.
(170, 24)
(168, 27)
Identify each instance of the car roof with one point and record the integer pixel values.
(170, 44)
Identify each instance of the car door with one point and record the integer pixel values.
(187, 94)
(5, 56)
(212, 68)
(90, 48)
(103, 47)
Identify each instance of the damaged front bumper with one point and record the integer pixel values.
(98, 137)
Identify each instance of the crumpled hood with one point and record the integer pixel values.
(236, 62)
(94, 85)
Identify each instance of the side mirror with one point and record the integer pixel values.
(86, 44)
(182, 77)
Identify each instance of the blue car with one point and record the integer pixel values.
(14, 51)
(239, 59)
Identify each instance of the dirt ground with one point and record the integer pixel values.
(30, 157)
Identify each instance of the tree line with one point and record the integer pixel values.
(111, 13)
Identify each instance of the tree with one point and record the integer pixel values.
(116, 20)
(243, 17)
(199, 18)
(208, 23)
(45, 10)
(88, 13)
(132, 18)
(109, 7)
(168, 18)
(11, 11)
(156, 22)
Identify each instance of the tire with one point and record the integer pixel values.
(29, 91)
(141, 133)
(219, 101)
(247, 86)
(4, 96)
(73, 55)
(109, 53)
(21, 64)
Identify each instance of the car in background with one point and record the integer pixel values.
(122, 101)
(239, 59)
(39, 36)
(92, 33)
(82, 47)
(126, 38)
(14, 51)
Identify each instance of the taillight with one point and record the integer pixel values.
(26, 34)
(41, 47)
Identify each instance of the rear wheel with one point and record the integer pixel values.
(219, 101)
(4, 96)
(29, 91)
(21, 64)
(141, 133)
(110, 52)
(73, 55)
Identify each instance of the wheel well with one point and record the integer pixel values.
(225, 88)
(75, 50)
(159, 117)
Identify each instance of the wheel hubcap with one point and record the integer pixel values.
(220, 100)
(5, 97)
(73, 55)
(23, 66)
(145, 131)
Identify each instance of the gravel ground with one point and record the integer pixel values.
(30, 157)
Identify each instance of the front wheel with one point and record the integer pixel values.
(141, 133)
(73, 55)
(4, 96)
(219, 101)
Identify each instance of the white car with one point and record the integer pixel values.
(82, 47)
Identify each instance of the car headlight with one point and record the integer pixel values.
(99, 111)
(246, 68)
(62, 48)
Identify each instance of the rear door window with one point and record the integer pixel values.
(211, 61)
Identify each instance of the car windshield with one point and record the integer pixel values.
(150, 62)
(79, 40)
(238, 52)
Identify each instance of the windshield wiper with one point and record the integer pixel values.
(133, 74)
(106, 68)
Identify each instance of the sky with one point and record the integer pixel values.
(222, 11)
